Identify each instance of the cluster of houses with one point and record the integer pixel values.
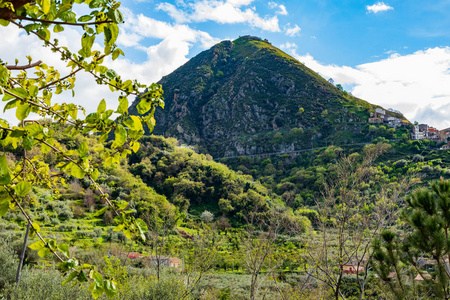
(379, 116)
(423, 131)
(418, 132)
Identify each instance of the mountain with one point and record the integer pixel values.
(249, 97)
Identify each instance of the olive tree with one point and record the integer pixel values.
(29, 89)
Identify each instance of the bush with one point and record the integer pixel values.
(170, 286)
(207, 216)
(8, 263)
(45, 285)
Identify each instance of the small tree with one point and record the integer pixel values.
(207, 216)
(349, 218)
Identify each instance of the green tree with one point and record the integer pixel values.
(427, 216)
(29, 92)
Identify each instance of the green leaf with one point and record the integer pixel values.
(143, 106)
(142, 228)
(44, 252)
(122, 204)
(19, 92)
(36, 246)
(110, 288)
(77, 172)
(151, 123)
(111, 74)
(31, 27)
(5, 176)
(70, 277)
(123, 105)
(86, 18)
(22, 188)
(127, 233)
(45, 6)
(86, 43)
(64, 248)
(100, 211)
(111, 33)
(28, 142)
(58, 28)
(134, 123)
(95, 3)
(33, 89)
(4, 206)
(120, 136)
(36, 227)
(4, 75)
(23, 111)
(118, 16)
(68, 265)
(135, 146)
(95, 173)
(11, 104)
(96, 290)
(83, 149)
(101, 107)
(45, 149)
(116, 53)
(4, 22)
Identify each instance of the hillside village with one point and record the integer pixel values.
(418, 131)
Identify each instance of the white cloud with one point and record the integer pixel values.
(162, 58)
(282, 9)
(416, 84)
(292, 31)
(378, 7)
(221, 11)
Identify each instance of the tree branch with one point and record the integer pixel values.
(29, 66)
(61, 22)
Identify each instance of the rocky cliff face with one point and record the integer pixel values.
(247, 97)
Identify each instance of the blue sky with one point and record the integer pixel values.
(394, 53)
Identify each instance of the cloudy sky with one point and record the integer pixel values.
(394, 53)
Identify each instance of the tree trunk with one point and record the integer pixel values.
(253, 286)
(22, 256)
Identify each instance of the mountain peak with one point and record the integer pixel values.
(248, 97)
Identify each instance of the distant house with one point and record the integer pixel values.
(134, 255)
(375, 120)
(175, 262)
(380, 112)
(444, 134)
(352, 268)
(421, 278)
(445, 147)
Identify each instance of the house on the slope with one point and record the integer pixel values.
(134, 255)
(175, 262)
(417, 134)
(444, 134)
(375, 121)
(421, 277)
(433, 134)
(352, 268)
